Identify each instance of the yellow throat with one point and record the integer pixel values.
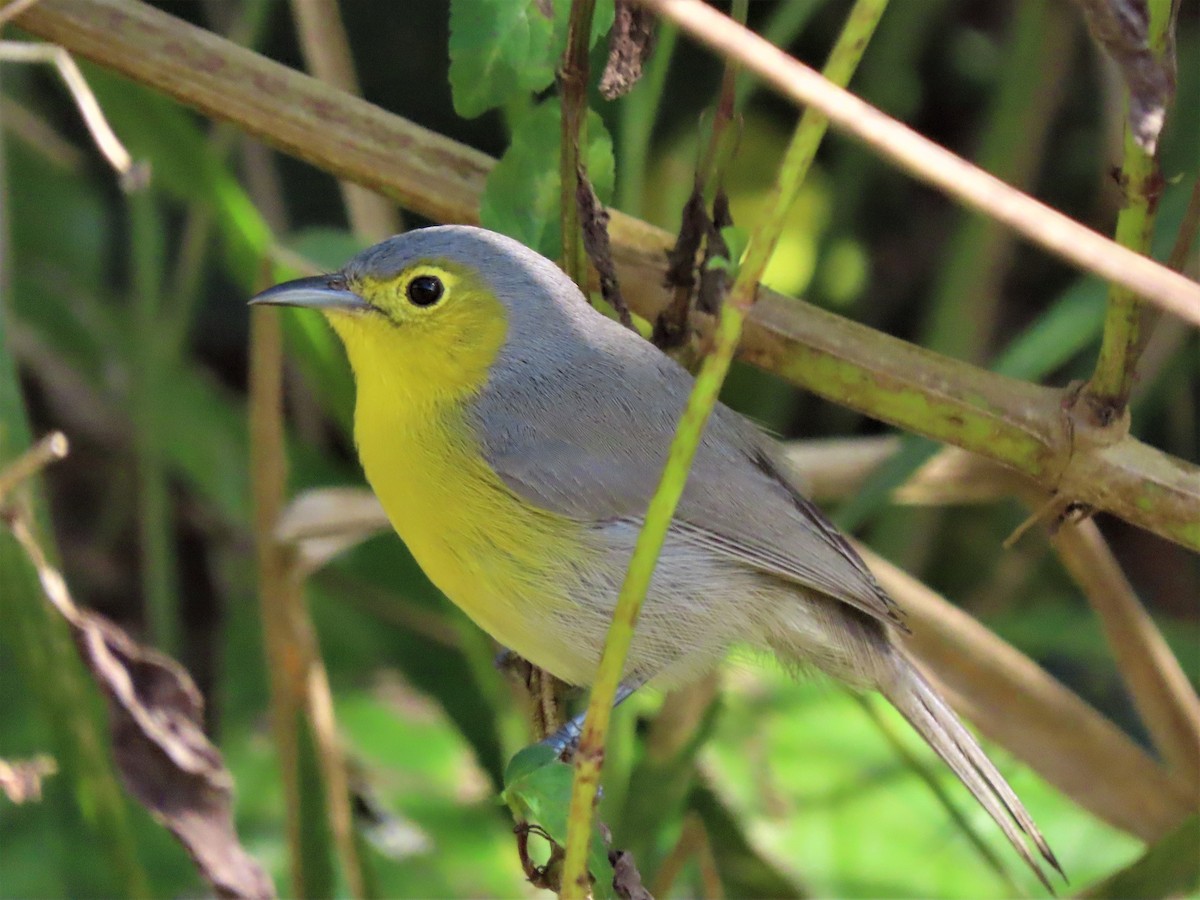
(501, 560)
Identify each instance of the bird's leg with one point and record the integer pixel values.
(565, 741)
(547, 694)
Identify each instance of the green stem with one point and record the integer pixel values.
(1126, 323)
(842, 62)
(155, 520)
(574, 80)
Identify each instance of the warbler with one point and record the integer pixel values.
(515, 435)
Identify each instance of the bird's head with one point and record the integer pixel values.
(428, 312)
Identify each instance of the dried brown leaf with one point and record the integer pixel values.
(161, 751)
(593, 220)
(165, 759)
(322, 523)
(670, 328)
(21, 779)
(627, 880)
(630, 43)
(1122, 28)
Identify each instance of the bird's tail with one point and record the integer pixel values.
(933, 719)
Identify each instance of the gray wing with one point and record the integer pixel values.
(582, 429)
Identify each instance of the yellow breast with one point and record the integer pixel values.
(508, 565)
(503, 562)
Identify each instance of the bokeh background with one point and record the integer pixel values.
(129, 327)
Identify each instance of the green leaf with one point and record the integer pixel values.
(522, 193)
(527, 760)
(736, 240)
(498, 48)
(538, 789)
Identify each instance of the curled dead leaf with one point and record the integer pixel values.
(630, 43)
(321, 523)
(159, 745)
(627, 880)
(21, 779)
(593, 221)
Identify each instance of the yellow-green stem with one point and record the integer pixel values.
(1126, 323)
(843, 60)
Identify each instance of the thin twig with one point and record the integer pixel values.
(692, 844)
(51, 448)
(38, 134)
(331, 758)
(299, 683)
(268, 463)
(1181, 251)
(89, 107)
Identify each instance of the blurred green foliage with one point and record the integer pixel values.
(799, 791)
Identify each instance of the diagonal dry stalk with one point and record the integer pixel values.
(1157, 683)
(103, 136)
(1017, 704)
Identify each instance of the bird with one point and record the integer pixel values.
(514, 436)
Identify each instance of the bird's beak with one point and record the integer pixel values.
(324, 292)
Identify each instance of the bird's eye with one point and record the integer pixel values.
(425, 290)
